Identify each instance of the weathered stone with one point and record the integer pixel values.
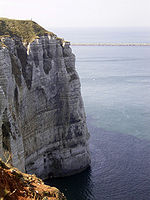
(40, 94)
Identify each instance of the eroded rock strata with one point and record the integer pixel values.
(42, 116)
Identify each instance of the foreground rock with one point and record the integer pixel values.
(15, 185)
(42, 118)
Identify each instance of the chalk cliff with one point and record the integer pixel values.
(42, 117)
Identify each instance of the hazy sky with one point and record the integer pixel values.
(79, 13)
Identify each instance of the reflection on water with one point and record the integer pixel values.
(120, 170)
(75, 187)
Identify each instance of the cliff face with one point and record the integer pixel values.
(42, 115)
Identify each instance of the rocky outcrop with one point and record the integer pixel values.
(43, 121)
(15, 185)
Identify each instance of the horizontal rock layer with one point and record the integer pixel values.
(42, 121)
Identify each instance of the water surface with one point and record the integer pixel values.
(116, 92)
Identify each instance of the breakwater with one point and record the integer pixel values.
(110, 44)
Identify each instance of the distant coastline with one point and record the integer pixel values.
(110, 44)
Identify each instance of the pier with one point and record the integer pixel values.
(110, 44)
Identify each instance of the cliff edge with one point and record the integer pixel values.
(42, 117)
(15, 185)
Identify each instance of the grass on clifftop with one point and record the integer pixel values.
(26, 30)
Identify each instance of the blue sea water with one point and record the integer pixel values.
(116, 92)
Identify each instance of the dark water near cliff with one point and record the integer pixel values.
(116, 92)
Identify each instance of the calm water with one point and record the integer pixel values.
(116, 92)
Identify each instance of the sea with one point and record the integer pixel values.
(115, 86)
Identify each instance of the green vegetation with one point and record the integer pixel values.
(2, 44)
(26, 30)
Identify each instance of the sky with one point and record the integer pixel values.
(79, 13)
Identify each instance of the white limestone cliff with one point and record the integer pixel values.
(42, 117)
